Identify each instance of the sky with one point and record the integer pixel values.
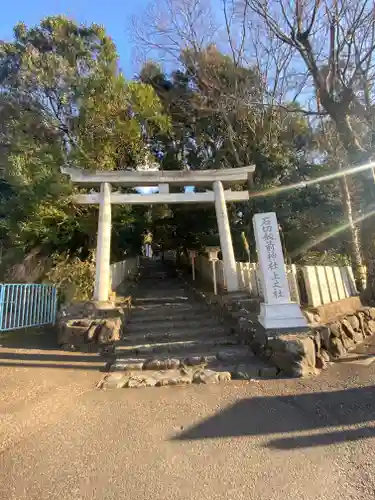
(114, 15)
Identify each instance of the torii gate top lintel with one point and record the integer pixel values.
(135, 178)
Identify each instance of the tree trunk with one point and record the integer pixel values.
(357, 155)
(359, 269)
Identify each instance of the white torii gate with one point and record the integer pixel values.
(211, 179)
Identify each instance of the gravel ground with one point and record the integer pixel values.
(61, 438)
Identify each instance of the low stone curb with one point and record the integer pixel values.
(122, 380)
(182, 376)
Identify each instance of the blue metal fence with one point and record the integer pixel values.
(23, 306)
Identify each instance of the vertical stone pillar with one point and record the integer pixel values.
(277, 310)
(192, 255)
(212, 257)
(103, 248)
(230, 268)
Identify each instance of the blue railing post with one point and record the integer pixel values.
(24, 303)
(2, 300)
(54, 309)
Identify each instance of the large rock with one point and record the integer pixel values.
(92, 332)
(259, 341)
(317, 340)
(128, 365)
(210, 377)
(113, 381)
(362, 322)
(162, 364)
(269, 371)
(234, 355)
(73, 332)
(354, 322)
(370, 327)
(347, 341)
(245, 372)
(294, 354)
(335, 329)
(322, 359)
(110, 331)
(198, 360)
(205, 377)
(337, 349)
(180, 380)
(325, 337)
(350, 332)
(86, 331)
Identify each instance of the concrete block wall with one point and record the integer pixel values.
(122, 269)
(323, 284)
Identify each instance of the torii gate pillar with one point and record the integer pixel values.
(103, 247)
(230, 267)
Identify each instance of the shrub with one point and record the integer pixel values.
(73, 277)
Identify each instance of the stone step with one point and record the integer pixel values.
(174, 335)
(174, 339)
(250, 316)
(172, 306)
(177, 324)
(181, 299)
(162, 282)
(186, 375)
(231, 296)
(231, 355)
(187, 346)
(250, 304)
(165, 314)
(161, 296)
(158, 276)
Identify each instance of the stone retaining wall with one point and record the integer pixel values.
(300, 354)
(297, 353)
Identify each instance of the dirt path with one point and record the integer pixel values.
(294, 439)
(38, 383)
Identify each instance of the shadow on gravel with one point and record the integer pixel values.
(41, 350)
(262, 416)
(326, 439)
(66, 366)
(42, 337)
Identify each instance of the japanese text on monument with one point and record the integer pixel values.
(272, 257)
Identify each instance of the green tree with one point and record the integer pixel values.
(334, 41)
(201, 101)
(64, 101)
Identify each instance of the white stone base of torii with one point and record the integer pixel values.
(217, 180)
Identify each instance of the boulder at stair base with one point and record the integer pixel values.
(110, 331)
(294, 354)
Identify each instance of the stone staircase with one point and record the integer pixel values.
(173, 338)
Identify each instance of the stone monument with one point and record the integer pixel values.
(277, 311)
